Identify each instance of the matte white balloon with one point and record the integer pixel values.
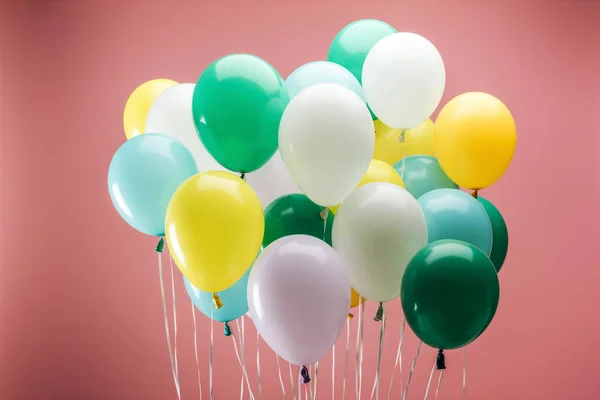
(171, 114)
(403, 78)
(327, 139)
(272, 181)
(376, 232)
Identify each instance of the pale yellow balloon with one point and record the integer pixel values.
(417, 141)
(138, 104)
(355, 298)
(378, 171)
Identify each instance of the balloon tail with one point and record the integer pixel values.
(280, 376)
(258, 364)
(346, 359)
(440, 362)
(429, 381)
(375, 390)
(398, 361)
(475, 193)
(243, 176)
(350, 316)
(412, 369)
(437, 390)
(226, 329)
(304, 376)
(464, 377)
(216, 301)
(379, 313)
(166, 319)
(333, 372)
(402, 137)
(160, 245)
(196, 349)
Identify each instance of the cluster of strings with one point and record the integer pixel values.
(296, 390)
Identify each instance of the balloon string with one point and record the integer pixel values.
(210, 356)
(174, 320)
(312, 381)
(166, 319)
(375, 390)
(398, 361)
(464, 377)
(280, 376)
(292, 382)
(300, 386)
(404, 155)
(357, 361)
(333, 372)
(410, 373)
(196, 349)
(241, 337)
(437, 391)
(360, 372)
(236, 338)
(429, 381)
(258, 364)
(241, 386)
(346, 359)
(316, 379)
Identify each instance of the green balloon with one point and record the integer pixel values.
(295, 214)
(237, 106)
(352, 44)
(449, 292)
(499, 233)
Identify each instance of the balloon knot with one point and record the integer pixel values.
(379, 313)
(475, 193)
(401, 138)
(325, 213)
(227, 329)
(243, 176)
(350, 316)
(217, 301)
(160, 245)
(440, 362)
(304, 375)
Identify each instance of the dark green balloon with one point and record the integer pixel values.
(449, 292)
(295, 214)
(237, 106)
(499, 233)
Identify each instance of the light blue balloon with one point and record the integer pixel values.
(235, 302)
(454, 214)
(143, 175)
(321, 72)
(422, 174)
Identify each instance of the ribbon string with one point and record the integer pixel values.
(196, 349)
(258, 364)
(346, 359)
(240, 354)
(358, 362)
(437, 391)
(412, 369)
(316, 380)
(464, 377)
(333, 372)
(292, 381)
(375, 390)
(174, 321)
(398, 360)
(210, 356)
(429, 381)
(280, 376)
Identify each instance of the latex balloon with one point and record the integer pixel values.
(454, 214)
(299, 298)
(326, 140)
(499, 233)
(271, 181)
(376, 231)
(417, 141)
(450, 291)
(356, 299)
(404, 79)
(321, 72)
(378, 172)
(422, 174)
(214, 229)
(138, 104)
(475, 139)
(234, 299)
(237, 106)
(143, 175)
(295, 214)
(171, 114)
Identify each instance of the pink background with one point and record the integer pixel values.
(80, 310)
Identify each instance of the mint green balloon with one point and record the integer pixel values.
(422, 174)
(237, 106)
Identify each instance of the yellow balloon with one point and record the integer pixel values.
(419, 140)
(214, 229)
(138, 104)
(380, 127)
(475, 139)
(378, 172)
(355, 298)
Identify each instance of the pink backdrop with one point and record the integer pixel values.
(80, 311)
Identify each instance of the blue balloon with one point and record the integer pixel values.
(422, 174)
(321, 72)
(454, 214)
(235, 302)
(143, 175)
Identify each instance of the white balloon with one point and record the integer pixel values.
(272, 181)
(327, 139)
(376, 232)
(403, 78)
(171, 114)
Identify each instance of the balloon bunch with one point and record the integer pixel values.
(297, 199)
